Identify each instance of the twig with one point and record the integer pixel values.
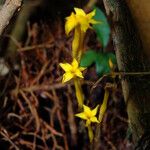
(6, 137)
(71, 118)
(130, 73)
(121, 74)
(32, 109)
(52, 130)
(40, 74)
(113, 147)
(28, 48)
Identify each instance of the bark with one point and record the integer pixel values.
(7, 12)
(131, 58)
(140, 10)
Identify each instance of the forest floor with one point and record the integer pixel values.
(37, 109)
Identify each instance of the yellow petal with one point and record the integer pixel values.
(94, 111)
(81, 115)
(92, 21)
(65, 66)
(91, 14)
(85, 26)
(75, 64)
(71, 23)
(67, 76)
(78, 73)
(82, 68)
(86, 109)
(94, 119)
(79, 12)
(84, 23)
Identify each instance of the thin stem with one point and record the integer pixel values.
(79, 93)
(90, 133)
(103, 106)
(114, 74)
(129, 73)
(78, 44)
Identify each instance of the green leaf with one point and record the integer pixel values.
(102, 29)
(102, 63)
(88, 58)
(100, 59)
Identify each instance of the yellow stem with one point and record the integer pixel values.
(79, 93)
(75, 42)
(103, 106)
(81, 45)
(78, 44)
(90, 133)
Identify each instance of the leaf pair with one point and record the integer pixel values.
(100, 59)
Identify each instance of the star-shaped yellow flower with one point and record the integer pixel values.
(71, 70)
(88, 115)
(80, 18)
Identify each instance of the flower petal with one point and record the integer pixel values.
(82, 68)
(91, 14)
(84, 23)
(92, 21)
(86, 109)
(65, 66)
(75, 64)
(81, 115)
(94, 119)
(71, 23)
(94, 111)
(67, 76)
(78, 73)
(79, 12)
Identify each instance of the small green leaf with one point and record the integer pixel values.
(102, 29)
(102, 63)
(100, 59)
(102, 66)
(88, 58)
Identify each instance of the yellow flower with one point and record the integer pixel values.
(88, 115)
(71, 70)
(79, 18)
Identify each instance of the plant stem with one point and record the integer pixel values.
(78, 44)
(90, 133)
(79, 93)
(103, 106)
